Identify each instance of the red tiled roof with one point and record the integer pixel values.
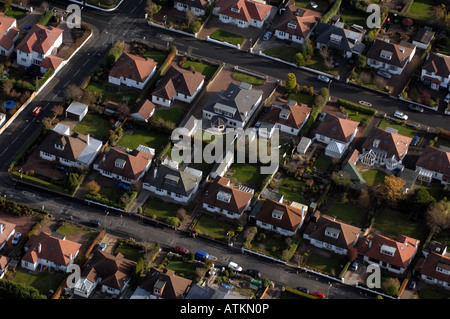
(39, 39)
(248, 9)
(438, 64)
(428, 266)
(298, 113)
(133, 67)
(400, 52)
(290, 219)
(393, 144)
(51, 62)
(337, 128)
(435, 160)
(302, 18)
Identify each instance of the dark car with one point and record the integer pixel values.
(94, 223)
(181, 250)
(123, 186)
(305, 290)
(354, 265)
(253, 273)
(415, 140)
(60, 167)
(415, 108)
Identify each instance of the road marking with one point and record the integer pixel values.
(87, 61)
(76, 72)
(66, 84)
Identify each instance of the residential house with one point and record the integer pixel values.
(296, 24)
(169, 181)
(6, 231)
(132, 70)
(337, 133)
(128, 166)
(69, 149)
(233, 107)
(384, 147)
(144, 110)
(392, 57)
(347, 42)
(177, 84)
(38, 43)
(436, 71)
(9, 34)
(434, 163)
(288, 117)
(326, 232)
(112, 273)
(197, 7)
(162, 284)
(395, 255)
(433, 266)
(243, 13)
(4, 263)
(282, 218)
(423, 38)
(223, 198)
(49, 250)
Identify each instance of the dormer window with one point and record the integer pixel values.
(59, 147)
(291, 25)
(376, 142)
(284, 114)
(386, 55)
(224, 196)
(277, 213)
(235, 10)
(443, 268)
(120, 163)
(171, 179)
(332, 232)
(387, 250)
(336, 38)
(159, 287)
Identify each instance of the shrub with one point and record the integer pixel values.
(356, 107)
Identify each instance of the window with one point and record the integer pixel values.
(292, 26)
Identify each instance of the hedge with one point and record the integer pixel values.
(332, 12)
(299, 293)
(12, 290)
(356, 107)
(105, 201)
(45, 18)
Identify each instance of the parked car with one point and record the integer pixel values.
(102, 246)
(267, 35)
(415, 140)
(322, 116)
(94, 223)
(61, 168)
(234, 266)
(416, 108)
(413, 284)
(305, 290)
(37, 110)
(318, 294)
(181, 250)
(400, 115)
(253, 273)
(323, 78)
(384, 74)
(123, 186)
(355, 265)
(16, 238)
(313, 4)
(447, 98)
(396, 171)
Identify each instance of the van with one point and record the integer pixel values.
(400, 115)
(234, 266)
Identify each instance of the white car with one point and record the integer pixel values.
(16, 238)
(234, 266)
(447, 98)
(400, 115)
(323, 78)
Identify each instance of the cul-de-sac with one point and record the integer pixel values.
(253, 150)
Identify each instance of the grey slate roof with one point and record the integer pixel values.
(240, 98)
(173, 180)
(350, 41)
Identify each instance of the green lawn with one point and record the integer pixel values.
(174, 115)
(284, 53)
(422, 9)
(111, 193)
(182, 268)
(119, 94)
(66, 229)
(129, 252)
(353, 16)
(302, 98)
(43, 281)
(403, 130)
(205, 69)
(248, 174)
(316, 62)
(253, 80)
(157, 55)
(229, 37)
(357, 116)
(292, 189)
(214, 228)
(15, 13)
(346, 212)
(95, 125)
(429, 293)
(155, 140)
(374, 177)
(160, 209)
(394, 223)
(326, 264)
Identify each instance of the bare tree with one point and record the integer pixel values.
(73, 92)
(438, 217)
(58, 110)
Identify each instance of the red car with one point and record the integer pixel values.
(181, 250)
(37, 110)
(319, 295)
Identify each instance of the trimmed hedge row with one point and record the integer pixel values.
(12, 290)
(299, 293)
(356, 107)
(332, 12)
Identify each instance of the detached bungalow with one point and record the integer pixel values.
(132, 70)
(434, 163)
(391, 57)
(243, 13)
(436, 71)
(433, 266)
